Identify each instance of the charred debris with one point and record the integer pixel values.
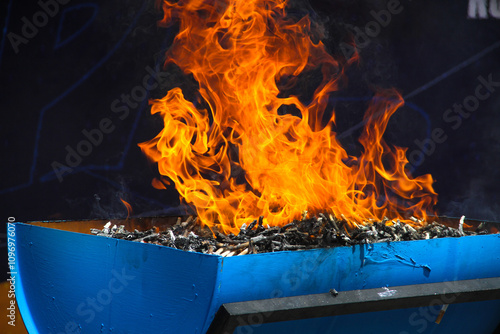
(321, 231)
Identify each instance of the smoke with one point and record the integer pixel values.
(479, 203)
(478, 196)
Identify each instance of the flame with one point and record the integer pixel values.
(128, 206)
(239, 157)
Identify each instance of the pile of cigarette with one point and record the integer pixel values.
(316, 232)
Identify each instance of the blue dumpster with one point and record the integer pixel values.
(73, 282)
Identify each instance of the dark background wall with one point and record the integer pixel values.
(64, 76)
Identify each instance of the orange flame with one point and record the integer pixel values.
(240, 158)
(128, 206)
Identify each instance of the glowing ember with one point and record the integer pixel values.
(240, 158)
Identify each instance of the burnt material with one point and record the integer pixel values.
(309, 233)
(257, 312)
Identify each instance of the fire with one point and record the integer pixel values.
(240, 157)
(128, 206)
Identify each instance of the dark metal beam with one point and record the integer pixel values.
(255, 312)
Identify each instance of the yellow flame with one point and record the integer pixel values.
(241, 158)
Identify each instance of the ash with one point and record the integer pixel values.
(309, 233)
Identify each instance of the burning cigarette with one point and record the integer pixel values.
(304, 215)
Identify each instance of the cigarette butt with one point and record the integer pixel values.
(239, 246)
(461, 225)
(441, 314)
(219, 251)
(226, 253)
(245, 251)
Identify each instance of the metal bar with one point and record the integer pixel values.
(255, 312)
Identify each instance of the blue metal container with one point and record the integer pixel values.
(68, 282)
